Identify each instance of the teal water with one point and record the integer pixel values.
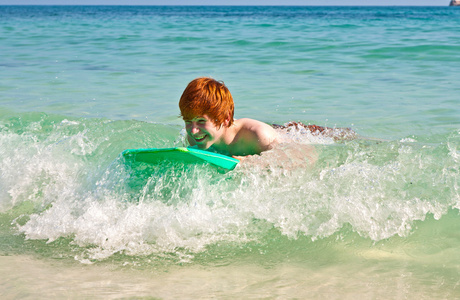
(375, 217)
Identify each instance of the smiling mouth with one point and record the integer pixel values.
(199, 138)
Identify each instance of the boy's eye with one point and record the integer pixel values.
(197, 121)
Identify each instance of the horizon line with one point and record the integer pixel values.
(223, 5)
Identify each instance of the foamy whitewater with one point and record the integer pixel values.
(375, 217)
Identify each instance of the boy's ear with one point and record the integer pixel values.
(227, 121)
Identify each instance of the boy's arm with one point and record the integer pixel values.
(266, 140)
(266, 136)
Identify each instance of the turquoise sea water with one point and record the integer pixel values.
(374, 217)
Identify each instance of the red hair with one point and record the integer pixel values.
(207, 96)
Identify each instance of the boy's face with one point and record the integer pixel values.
(203, 132)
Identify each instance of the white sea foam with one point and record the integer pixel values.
(299, 189)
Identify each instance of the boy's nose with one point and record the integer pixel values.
(194, 129)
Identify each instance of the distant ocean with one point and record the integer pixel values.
(376, 217)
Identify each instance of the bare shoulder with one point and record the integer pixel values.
(255, 126)
(257, 130)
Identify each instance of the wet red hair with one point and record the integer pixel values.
(207, 96)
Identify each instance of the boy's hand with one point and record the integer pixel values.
(240, 158)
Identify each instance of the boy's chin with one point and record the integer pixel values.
(204, 146)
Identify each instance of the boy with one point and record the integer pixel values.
(207, 109)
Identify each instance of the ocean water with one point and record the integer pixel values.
(376, 217)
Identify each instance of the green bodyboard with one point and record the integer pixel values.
(180, 154)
